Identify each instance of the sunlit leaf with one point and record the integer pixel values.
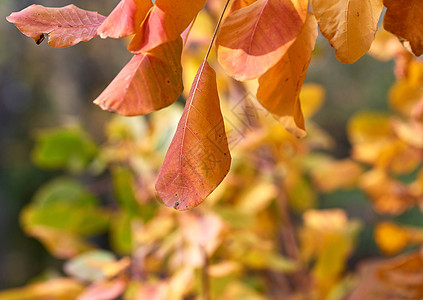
(164, 23)
(349, 25)
(279, 88)
(150, 81)
(390, 238)
(330, 175)
(58, 288)
(64, 26)
(238, 4)
(406, 93)
(198, 158)
(385, 46)
(125, 19)
(253, 39)
(312, 97)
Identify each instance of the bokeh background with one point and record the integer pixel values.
(42, 87)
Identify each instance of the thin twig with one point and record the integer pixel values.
(216, 29)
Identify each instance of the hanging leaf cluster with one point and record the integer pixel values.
(266, 40)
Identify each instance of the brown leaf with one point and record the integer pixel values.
(349, 25)
(125, 19)
(165, 22)
(65, 26)
(404, 19)
(150, 81)
(279, 88)
(254, 38)
(198, 158)
(397, 278)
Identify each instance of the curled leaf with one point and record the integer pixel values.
(64, 26)
(150, 81)
(198, 158)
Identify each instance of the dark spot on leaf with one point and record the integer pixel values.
(176, 194)
(59, 25)
(168, 81)
(176, 205)
(41, 38)
(358, 14)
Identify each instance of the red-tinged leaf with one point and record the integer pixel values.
(64, 26)
(150, 81)
(404, 19)
(165, 22)
(279, 88)
(104, 290)
(198, 158)
(254, 38)
(125, 19)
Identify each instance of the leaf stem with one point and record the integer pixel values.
(216, 29)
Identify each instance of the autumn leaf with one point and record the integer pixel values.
(349, 25)
(64, 26)
(150, 81)
(198, 158)
(279, 88)
(165, 22)
(404, 19)
(238, 4)
(125, 19)
(254, 38)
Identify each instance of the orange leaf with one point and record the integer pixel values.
(150, 81)
(349, 25)
(279, 88)
(125, 19)
(404, 19)
(198, 158)
(65, 26)
(165, 22)
(238, 4)
(254, 38)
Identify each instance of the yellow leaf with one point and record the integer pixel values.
(57, 289)
(385, 46)
(390, 238)
(349, 25)
(312, 96)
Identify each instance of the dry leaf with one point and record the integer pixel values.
(149, 82)
(64, 26)
(254, 38)
(349, 25)
(279, 88)
(125, 19)
(404, 19)
(198, 158)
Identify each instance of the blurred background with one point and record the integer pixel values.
(42, 87)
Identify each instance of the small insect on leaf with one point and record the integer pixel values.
(42, 37)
